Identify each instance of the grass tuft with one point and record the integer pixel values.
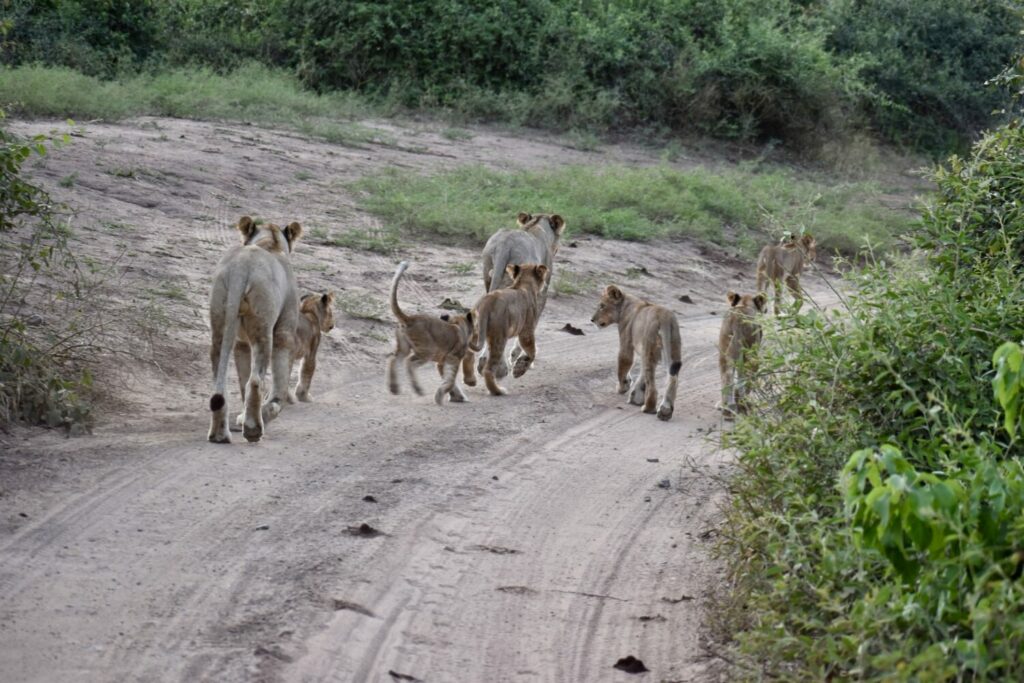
(728, 208)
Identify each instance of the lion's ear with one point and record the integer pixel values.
(807, 239)
(445, 317)
(469, 318)
(292, 233)
(613, 293)
(558, 223)
(733, 298)
(523, 218)
(542, 272)
(327, 298)
(247, 227)
(760, 301)
(514, 270)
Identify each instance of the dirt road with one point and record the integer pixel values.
(539, 536)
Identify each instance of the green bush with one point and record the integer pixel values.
(41, 381)
(803, 71)
(878, 516)
(928, 60)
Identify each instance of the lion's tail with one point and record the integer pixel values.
(672, 344)
(231, 306)
(402, 267)
(476, 340)
(498, 273)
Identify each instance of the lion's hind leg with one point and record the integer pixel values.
(637, 385)
(412, 364)
(650, 385)
(524, 361)
(253, 425)
(668, 401)
(449, 384)
(492, 367)
(399, 355)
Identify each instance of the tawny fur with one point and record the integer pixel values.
(253, 309)
(536, 240)
(316, 318)
(423, 339)
(739, 336)
(778, 263)
(651, 332)
(506, 313)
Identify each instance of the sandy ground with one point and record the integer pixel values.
(539, 536)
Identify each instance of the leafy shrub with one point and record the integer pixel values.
(878, 516)
(41, 380)
(928, 60)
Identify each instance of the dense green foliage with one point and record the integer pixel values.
(39, 380)
(879, 513)
(731, 208)
(797, 70)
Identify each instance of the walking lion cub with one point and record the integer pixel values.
(784, 262)
(422, 339)
(740, 334)
(503, 314)
(651, 332)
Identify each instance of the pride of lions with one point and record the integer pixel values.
(256, 314)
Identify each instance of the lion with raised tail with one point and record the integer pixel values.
(778, 263)
(739, 337)
(423, 339)
(651, 332)
(253, 310)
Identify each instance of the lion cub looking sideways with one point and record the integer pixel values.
(740, 333)
(422, 339)
(506, 313)
(647, 330)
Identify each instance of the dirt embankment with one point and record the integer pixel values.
(537, 536)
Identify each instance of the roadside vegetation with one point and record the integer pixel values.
(804, 72)
(877, 522)
(44, 333)
(734, 208)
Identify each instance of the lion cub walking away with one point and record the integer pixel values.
(740, 334)
(253, 309)
(647, 330)
(503, 314)
(316, 317)
(784, 262)
(422, 338)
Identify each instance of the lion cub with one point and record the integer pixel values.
(647, 330)
(316, 317)
(784, 262)
(422, 338)
(503, 314)
(740, 333)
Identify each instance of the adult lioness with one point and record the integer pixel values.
(316, 317)
(423, 338)
(784, 262)
(505, 313)
(739, 335)
(536, 241)
(647, 330)
(253, 308)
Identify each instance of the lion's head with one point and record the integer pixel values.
(609, 308)
(269, 236)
